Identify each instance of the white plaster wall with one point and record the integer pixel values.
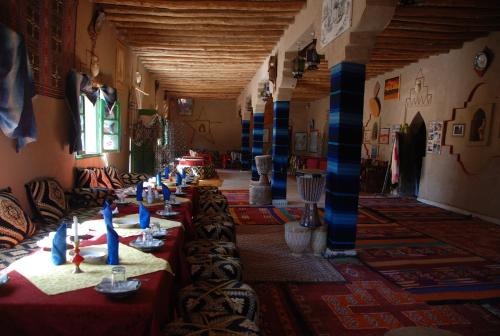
(450, 79)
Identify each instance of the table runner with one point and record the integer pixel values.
(51, 279)
(99, 226)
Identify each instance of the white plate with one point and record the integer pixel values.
(167, 214)
(126, 223)
(92, 254)
(4, 278)
(122, 202)
(154, 245)
(128, 288)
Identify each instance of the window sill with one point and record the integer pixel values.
(87, 156)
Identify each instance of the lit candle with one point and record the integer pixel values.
(75, 229)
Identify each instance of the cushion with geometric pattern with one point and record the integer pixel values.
(103, 180)
(204, 219)
(229, 297)
(205, 246)
(213, 324)
(90, 197)
(85, 178)
(47, 199)
(131, 179)
(212, 266)
(114, 177)
(15, 225)
(222, 231)
(214, 205)
(208, 189)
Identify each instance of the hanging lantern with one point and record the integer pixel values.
(299, 63)
(265, 94)
(312, 57)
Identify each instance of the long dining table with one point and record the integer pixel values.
(26, 310)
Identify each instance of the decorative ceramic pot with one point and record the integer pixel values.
(318, 240)
(297, 237)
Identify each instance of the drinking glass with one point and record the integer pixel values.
(147, 237)
(172, 199)
(118, 277)
(168, 208)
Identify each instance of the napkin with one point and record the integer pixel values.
(166, 192)
(59, 246)
(158, 178)
(138, 192)
(144, 217)
(179, 179)
(111, 236)
(167, 172)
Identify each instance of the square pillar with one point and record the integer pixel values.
(245, 144)
(344, 154)
(258, 133)
(281, 143)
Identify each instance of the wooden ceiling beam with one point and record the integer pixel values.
(458, 4)
(211, 44)
(186, 27)
(442, 28)
(203, 33)
(415, 34)
(208, 20)
(447, 12)
(451, 21)
(194, 40)
(284, 6)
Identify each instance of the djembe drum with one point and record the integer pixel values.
(260, 192)
(310, 185)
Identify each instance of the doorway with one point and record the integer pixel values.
(412, 152)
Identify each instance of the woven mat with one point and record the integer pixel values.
(51, 279)
(99, 226)
(266, 257)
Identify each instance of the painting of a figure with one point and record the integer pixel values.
(479, 125)
(335, 19)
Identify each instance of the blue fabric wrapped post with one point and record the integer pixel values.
(144, 216)
(17, 120)
(138, 191)
(111, 236)
(158, 178)
(166, 192)
(59, 246)
(167, 172)
(178, 181)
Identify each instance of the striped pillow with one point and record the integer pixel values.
(103, 180)
(15, 225)
(114, 177)
(47, 199)
(85, 178)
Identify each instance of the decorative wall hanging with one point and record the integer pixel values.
(458, 130)
(391, 88)
(383, 138)
(367, 136)
(434, 137)
(482, 61)
(313, 141)
(184, 106)
(300, 141)
(336, 18)
(272, 69)
(120, 64)
(479, 124)
(419, 94)
(374, 102)
(48, 28)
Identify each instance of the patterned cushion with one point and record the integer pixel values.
(47, 199)
(114, 177)
(15, 225)
(211, 266)
(90, 197)
(86, 178)
(204, 219)
(131, 179)
(229, 297)
(213, 324)
(208, 189)
(202, 172)
(211, 247)
(223, 231)
(214, 205)
(103, 180)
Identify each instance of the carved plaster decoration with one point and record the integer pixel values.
(419, 94)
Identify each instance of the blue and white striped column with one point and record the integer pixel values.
(245, 144)
(281, 143)
(344, 154)
(258, 132)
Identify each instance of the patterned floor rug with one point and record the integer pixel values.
(405, 208)
(236, 197)
(266, 257)
(365, 305)
(244, 215)
(474, 235)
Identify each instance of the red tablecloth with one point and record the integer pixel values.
(25, 310)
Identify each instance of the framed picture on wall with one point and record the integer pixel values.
(383, 137)
(367, 136)
(184, 106)
(458, 130)
(480, 120)
(313, 141)
(300, 141)
(374, 152)
(391, 88)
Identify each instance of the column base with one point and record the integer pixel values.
(280, 203)
(339, 253)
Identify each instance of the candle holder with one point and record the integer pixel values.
(77, 258)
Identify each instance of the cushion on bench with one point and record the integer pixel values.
(15, 225)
